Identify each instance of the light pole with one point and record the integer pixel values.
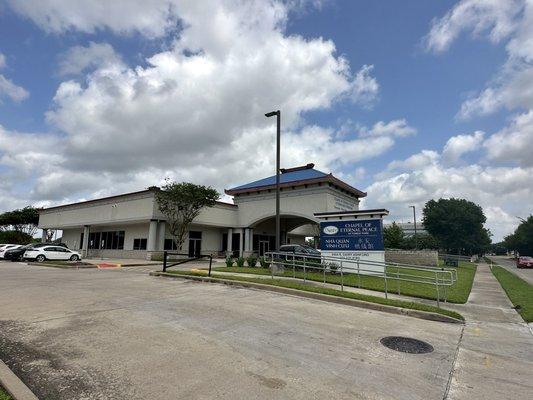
(278, 135)
(414, 219)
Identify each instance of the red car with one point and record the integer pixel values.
(524, 262)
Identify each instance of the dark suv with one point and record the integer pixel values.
(299, 249)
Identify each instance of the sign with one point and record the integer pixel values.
(354, 235)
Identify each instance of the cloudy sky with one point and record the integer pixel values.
(408, 100)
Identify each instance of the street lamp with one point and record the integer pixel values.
(414, 219)
(278, 221)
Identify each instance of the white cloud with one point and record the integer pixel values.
(365, 88)
(495, 17)
(8, 88)
(494, 188)
(151, 18)
(458, 145)
(195, 112)
(514, 142)
(79, 59)
(396, 127)
(512, 87)
(11, 90)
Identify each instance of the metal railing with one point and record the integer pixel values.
(438, 277)
(184, 260)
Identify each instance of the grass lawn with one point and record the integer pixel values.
(332, 292)
(4, 395)
(456, 294)
(519, 291)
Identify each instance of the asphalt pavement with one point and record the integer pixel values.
(510, 265)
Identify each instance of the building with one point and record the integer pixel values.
(131, 225)
(408, 228)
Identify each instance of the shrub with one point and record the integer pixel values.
(240, 262)
(251, 260)
(263, 262)
(229, 262)
(15, 237)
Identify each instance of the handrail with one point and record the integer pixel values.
(440, 277)
(167, 253)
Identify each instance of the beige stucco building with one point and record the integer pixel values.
(131, 225)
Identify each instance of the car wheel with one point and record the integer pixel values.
(74, 257)
(40, 258)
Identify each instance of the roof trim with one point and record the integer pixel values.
(300, 168)
(380, 211)
(115, 197)
(329, 178)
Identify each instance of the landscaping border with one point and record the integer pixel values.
(13, 385)
(317, 296)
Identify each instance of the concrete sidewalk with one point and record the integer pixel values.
(495, 355)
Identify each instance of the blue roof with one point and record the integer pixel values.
(289, 176)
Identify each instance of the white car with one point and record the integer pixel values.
(41, 254)
(5, 247)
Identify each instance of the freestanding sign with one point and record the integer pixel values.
(356, 236)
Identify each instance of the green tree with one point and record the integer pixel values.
(23, 220)
(522, 238)
(457, 224)
(393, 236)
(14, 237)
(181, 203)
(424, 241)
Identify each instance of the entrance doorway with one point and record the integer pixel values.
(263, 247)
(195, 243)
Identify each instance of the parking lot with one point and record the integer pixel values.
(100, 334)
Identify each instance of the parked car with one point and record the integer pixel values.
(6, 247)
(524, 262)
(16, 253)
(299, 248)
(36, 245)
(55, 252)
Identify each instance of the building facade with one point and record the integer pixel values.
(132, 226)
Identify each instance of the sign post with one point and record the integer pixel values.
(356, 236)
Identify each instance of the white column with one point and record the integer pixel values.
(152, 235)
(85, 244)
(43, 236)
(230, 241)
(251, 241)
(161, 232)
(241, 236)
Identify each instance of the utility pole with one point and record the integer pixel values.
(414, 220)
(278, 152)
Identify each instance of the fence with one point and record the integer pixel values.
(390, 272)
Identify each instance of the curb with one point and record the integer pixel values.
(13, 385)
(319, 296)
(62, 266)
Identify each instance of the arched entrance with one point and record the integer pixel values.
(294, 230)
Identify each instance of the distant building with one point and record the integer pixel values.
(408, 228)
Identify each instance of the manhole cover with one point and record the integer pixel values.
(406, 345)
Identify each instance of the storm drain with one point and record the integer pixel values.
(406, 345)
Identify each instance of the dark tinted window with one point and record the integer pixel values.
(139, 244)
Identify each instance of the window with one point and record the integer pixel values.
(106, 240)
(170, 245)
(139, 244)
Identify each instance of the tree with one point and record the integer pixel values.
(457, 224)
(393, 236)
(522, 238)
(424, 241)
(23, 220)
(15, 237)
(181, 203)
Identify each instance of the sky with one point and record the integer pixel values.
(407, 100)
